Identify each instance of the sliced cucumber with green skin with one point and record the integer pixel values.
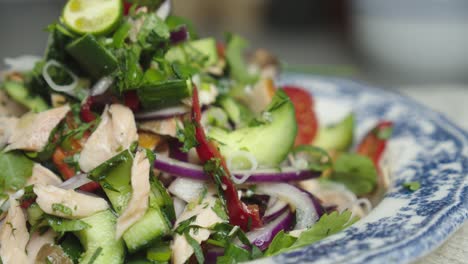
(202, 50)
(164, 94)
(35, 214)
(20, 94)
(99, 240)
(270, 141)
(152, 226)
(237, 112)
(336, 137)
(92, 56)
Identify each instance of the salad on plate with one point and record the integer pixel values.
(135, 140)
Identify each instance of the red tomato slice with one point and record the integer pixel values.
(305, 115)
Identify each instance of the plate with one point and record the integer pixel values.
(425, 147)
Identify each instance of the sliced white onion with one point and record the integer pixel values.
(22, 63)
(331, 193)
(306, 214)
(187, 189)
(6, 205)
(75, 182)
(277, 206)
(101, 86)
(179, 206)
(162, 114)
(164, 10)
(68, 89)
(232, 166)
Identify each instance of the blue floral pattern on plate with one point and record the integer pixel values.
(425, 147)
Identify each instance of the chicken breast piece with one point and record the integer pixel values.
(32, 131)
(42, 175)
(166, 127)
(258, 97)
(138, 204)
(7, 126)
(116, 132)
(37, 241)
(205, 217)
(67, 203)
(14, 235)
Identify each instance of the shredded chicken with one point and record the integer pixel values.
(14, 236)
(205, 217)
(116, 132)
(7, 127)
(258, 97)
(33, 130)
(167, 127)
(36, 242)
(42, 175)
(138, 204)
(67, 203)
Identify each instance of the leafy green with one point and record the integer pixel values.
(57, 207)
(234, 254)
(327, 225)
(235, 59)
(129, 74)
(72, 247)
(356, 172)
(412, 186)
(219, 210)
(15, 169)
(186, 135)
(64, 225)
(196, 248)
(19, 92)
(118, 39)
(317, 158)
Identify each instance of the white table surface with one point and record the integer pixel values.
(452, 100)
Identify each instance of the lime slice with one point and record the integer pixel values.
(92, 16)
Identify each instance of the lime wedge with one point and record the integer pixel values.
(96, 17)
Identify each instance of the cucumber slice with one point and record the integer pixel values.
(97, 17)
(237, 112)
(20, 94)
(92, 56)
(269, 141)
(153, 225)
(99, 240)
(202, 51)
(337, 137)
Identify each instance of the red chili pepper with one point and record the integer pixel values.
(85, 112)
(246, 217)
(26, 203)
(132, 101)
(221, 49)
(373, 145)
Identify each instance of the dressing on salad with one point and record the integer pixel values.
(134, 140)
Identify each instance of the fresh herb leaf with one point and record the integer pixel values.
(57, 207)
(219, 210)
(234, 254)
(72, 247)
(174, 22)
(412, 186)
(356, 172)
(184, 226)
(186, 136)
(118, 39)
(95, 255)
(327, 225)
(129, 74)
(65, 225)
(315, 158)
(196, 248)
(15, 169)
(279, 243)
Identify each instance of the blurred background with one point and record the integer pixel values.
(419, 47)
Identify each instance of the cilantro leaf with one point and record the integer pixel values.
(355, 171)
(129, 74)
(412, 186)
(196, 248)
(186, 136)
(15, 169)
(328, 224)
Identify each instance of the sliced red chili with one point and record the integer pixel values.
(239, 214)
(131, 100)
(85, 112)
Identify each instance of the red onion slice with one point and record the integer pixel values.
(275, 210)
(184, 169)
(305, 204)
(162, 114)
(263, 236)
(179, 35)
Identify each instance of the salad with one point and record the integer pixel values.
(135, 140)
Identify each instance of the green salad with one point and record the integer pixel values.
(134, 139)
